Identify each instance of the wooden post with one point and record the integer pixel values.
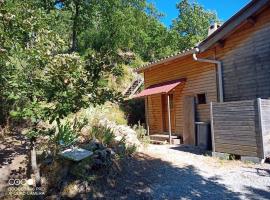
(212, 128)
(261, 129)
(147, 116)
(169, 119)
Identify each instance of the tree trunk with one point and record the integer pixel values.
(75, 28)
(34, 165)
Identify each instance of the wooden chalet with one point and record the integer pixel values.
(224, 81)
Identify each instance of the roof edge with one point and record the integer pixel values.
(228, 26)
(166, 59)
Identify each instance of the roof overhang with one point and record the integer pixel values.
(231, 24)
(161, 88)
(165, 60)
(220, 34)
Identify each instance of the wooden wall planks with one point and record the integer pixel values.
(246, 61)
(242, 127)
(201, 78)
(265, 122)
(234, 125)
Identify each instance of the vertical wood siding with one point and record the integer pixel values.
(155, 114)
(201, 78)
(246, 61)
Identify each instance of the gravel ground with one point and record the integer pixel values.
(192, 176)
(167, 172)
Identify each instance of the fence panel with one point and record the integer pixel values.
(235, 127)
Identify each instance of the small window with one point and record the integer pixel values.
(201, 98)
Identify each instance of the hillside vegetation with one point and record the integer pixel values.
(65, 63)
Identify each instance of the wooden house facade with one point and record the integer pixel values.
(232, 64)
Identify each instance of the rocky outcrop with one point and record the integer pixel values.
(121, 133)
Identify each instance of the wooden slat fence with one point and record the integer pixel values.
(265, 125)
(241, 127)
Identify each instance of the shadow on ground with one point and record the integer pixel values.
(190, 149)
(12, 146)
(256, 193)
(142, 177)
(13, 159)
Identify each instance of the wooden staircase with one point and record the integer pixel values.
(164, 139)
(133, 88)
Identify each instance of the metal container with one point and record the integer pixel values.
(203, 135)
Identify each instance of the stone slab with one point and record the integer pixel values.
(76, 154)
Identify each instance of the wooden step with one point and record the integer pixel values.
(158, 142)
(164, 139)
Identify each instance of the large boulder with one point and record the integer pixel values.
(122, 132)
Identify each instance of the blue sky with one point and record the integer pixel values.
(224, 8)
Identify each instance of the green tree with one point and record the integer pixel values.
(40, 82)
(192, 24)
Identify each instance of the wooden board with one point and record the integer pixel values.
(165, 112)
(265, 123)
(189, 120)
(235, 128)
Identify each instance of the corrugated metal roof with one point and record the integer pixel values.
(160, 88)
(166, 59)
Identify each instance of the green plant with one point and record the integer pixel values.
(66, 135)
(103, 134)
(142, 134)
(130, 149)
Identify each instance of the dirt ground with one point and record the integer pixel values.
(13, 160)
(158, 172)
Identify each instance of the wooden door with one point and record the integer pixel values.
(189, 120)
(165, 112)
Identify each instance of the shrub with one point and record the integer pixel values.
(103, 134)
(94, 114)
(66, 135)
(142, 134)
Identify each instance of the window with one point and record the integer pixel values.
(201, 98)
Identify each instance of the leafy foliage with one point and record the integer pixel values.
(192, 24)
(57, 57)
(103, 134)
(66, 135)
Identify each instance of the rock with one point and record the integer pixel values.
(102, 158)
(93, 145)
(122, 132)
(71, 190)
(76, 154)
(112, 153)
(86, 130)
(121, 149)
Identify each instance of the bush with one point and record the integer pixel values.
(102, 134)
(142, 134)
(95, 114)
(66, 135)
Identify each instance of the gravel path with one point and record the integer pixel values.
(166, 172)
